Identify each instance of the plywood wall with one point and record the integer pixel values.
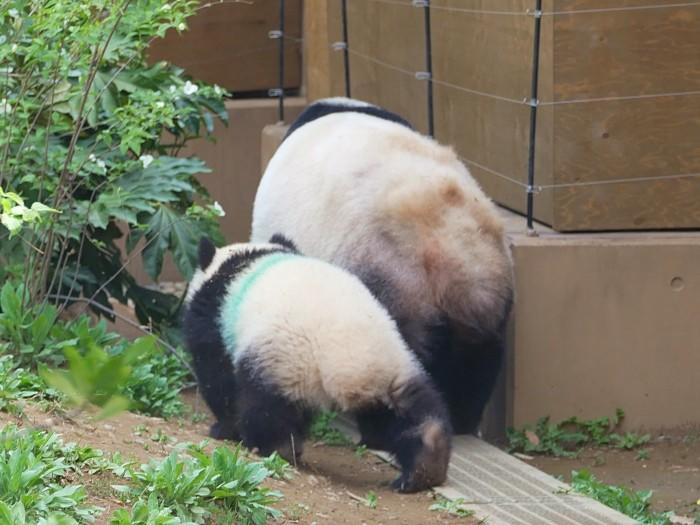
(227, 44)
(585, 55)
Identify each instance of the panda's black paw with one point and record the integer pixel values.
(222, 431)
(405, 484)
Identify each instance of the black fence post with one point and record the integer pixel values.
(279, 90)
(533, 116)
(346, 56)
(428, 75)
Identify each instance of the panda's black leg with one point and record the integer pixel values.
(466, 374)
(373, 424)
(266, 419)
(217, 384)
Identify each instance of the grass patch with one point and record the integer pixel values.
(633, 504)
(322, 430)
(34, 467)
(197, 488)
(452, 507)
(566, 438)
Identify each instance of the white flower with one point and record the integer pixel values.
(166, 7)
(5, 106)
(13, 13)
(101, 163)
(189, 88)
(14, 48)
(92, 157)
(181, 26)
(218, 209)
(172, 88)
(146, 160)
(160, 104)
(218, 90)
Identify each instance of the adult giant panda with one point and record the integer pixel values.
(275, 335)
(354, 185)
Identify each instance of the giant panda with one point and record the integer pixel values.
(275, 335)
(354, 185)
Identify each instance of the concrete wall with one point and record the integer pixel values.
(606, 321)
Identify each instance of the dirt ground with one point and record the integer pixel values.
(324, 489)
(672, 469)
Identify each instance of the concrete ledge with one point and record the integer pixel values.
(502, 490)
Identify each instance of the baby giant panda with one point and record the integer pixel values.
(275, 335)
(354, 185)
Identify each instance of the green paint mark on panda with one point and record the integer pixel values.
(236, 294)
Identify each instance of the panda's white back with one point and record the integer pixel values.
(318, 334)
(367, 193)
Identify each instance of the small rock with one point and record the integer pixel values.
(524, 457)
(107, 427)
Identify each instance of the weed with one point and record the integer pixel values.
(278, 466)
(630, 440)
(32, 467)
(149, 512)
(360, 451)
(161, 437)
(566, 438)
(633, 504)
(642, 455)
(371, 500)
(198, 487)
(16, 384)
(454, 507)
(322, 430)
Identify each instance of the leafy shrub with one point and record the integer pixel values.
(198, 487)
(321, 429)
(565, 439)
(102, 366)
(89, 133)
(633, 504)
(32, 466)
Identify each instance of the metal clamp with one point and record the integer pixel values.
(537, 13)
(275, 34)
(275, 92)
(532, 102)
(423, 75)
(421, 3)
(339, 46)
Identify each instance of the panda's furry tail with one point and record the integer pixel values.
(454, 238)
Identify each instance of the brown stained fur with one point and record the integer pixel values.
(432, 462)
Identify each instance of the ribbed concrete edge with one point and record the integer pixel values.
(502, 490)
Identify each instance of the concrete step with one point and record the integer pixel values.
(502, 490)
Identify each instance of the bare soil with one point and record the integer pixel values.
(672, 469)
(324, 489)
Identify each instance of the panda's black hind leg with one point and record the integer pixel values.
(266, 419)
(466, 373)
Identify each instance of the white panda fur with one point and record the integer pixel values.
(401, 211)
(303, 334)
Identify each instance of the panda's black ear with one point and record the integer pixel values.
(280, 239)
(206, 252)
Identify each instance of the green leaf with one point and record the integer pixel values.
(115, 405)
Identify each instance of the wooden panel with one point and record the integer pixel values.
(317, 51)
(627, 53)
(492, 54)
(590, 49)
(228, 44)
